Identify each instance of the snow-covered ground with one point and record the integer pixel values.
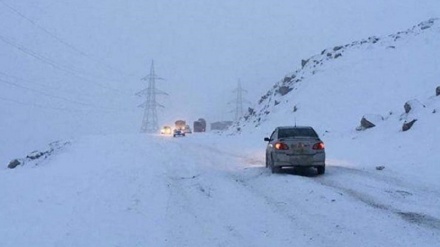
(208, 190)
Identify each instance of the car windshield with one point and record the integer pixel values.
(295, 132)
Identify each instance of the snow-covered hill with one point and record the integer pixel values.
(377, 75)
(371, 77)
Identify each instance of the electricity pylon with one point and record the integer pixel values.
(239, 101)
(149, 122)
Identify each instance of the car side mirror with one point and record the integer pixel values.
(266, 139)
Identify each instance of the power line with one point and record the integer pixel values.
(99, 108)
(52, 63)
(23, 80)
(39, 106)
(44, 93)
(65, 109)
(55, 37)
(62, 90)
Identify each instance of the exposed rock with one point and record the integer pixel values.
(251, 111)
(407, 125)
(412, 105)
(264, 97)
(35, 155)
(437, 91)
(338, 55)
(286, 79)
(337, 48)
(373, 39)
(295, 108)
(366, 124)
(276, 102)
(407, 107)
(370, 121)
(380, 168)
(283, 90)
(304, 62)
(14, 163)
(426, 24)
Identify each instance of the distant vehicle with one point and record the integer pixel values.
(166, 130)
(187, 129)
(200, 125)
(178, 132)
(295, 147)
(180, 124)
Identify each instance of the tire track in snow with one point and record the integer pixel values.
(420, 219)
(293, 220)
(191, 208)
(374, 200)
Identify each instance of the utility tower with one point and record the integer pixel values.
(149, 122)
(239, 101)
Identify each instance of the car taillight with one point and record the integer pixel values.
(319, 146)
(281, 146)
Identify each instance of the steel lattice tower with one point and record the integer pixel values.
(150, 122)
(239, 101)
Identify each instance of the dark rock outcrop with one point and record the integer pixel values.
(304, 62)
(413, 104)
(337, 48)
(283, 90)
(369, 121)
(365, 124)
(14, 163)
(407, 125)
(437, 91)
(407, 107)
(35, 157)
(36, 154)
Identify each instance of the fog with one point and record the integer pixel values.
(100, 50)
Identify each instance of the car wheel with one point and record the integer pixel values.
(273, 168)
(321, 170)
(267, 162)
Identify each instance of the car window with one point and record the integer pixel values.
(272, 137)
(294, 132)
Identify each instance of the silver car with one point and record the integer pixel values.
(297, 146)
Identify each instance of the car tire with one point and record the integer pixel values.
(267, 162)
(274, 169)
(321, 170)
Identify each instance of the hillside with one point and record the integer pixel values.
(377, 75)
(373, 77)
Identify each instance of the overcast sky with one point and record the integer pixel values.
(201, 48)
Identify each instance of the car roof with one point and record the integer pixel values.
(294, 127)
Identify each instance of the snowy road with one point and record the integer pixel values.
(206, 190)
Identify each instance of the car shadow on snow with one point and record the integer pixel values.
(299, 171)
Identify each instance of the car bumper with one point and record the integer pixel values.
(284, 160)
